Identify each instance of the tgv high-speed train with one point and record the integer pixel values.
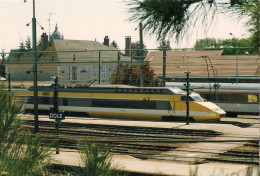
(235, 99)
(146, 103)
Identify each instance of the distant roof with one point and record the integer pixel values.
(196, 61)
(82, 50)
(72, 51)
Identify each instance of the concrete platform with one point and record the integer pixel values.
(156, 167)
(184, 161)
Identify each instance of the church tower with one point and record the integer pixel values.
(56, 34)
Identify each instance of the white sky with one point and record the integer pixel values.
(89, 20)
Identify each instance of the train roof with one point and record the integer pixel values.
(228, 87)
(115, 89)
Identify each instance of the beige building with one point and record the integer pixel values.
(76, 61)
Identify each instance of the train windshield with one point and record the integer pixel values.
(192, 98)
(196, 97)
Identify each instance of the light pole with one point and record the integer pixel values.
(216, 85)
(236, 57)
(141, 54)
(34, 58)
(187, 98)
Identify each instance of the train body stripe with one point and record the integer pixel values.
(124, 110)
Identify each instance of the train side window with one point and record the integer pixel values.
(253, 99)
(183, 98)
(65, 101)
(243, 98)
(29, 100)
(45, 100)
(163, 105)
(214, 97)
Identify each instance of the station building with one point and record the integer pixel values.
(77, 62)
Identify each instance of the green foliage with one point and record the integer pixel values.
(28, 44)
(3, 56)
(20, 152)
(168, 17)
(250, 9)
(136, 53)
(130, 75)
(22, 47)
(230, 46)
(114, 44)
(96, 160)
(26, 157)
(164, 45)
(205, 43)
(175, 17)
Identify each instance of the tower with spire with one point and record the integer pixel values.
(56, 34)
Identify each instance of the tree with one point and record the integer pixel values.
(164, 45)
(22, 47)
(175, 17)
(228, 45)
(205, 43)
(136, 53)
(28, 44)
(114, 44)
(130, 75)
(3, 55)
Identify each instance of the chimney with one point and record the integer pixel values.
(44, 41)
(127, 45)
(106, 41)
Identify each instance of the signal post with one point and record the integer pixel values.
(55, 114)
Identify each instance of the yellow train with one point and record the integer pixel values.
(145, 103)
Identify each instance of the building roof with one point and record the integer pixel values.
(198, 62)
(85, 50)
(72, 51)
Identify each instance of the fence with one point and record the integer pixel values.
(83, 67)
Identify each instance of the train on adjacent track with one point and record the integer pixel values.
(146, 103)
(235, 99)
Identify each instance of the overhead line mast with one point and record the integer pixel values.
(49, 20)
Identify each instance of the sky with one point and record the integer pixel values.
(91, 20)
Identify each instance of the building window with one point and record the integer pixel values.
(89, 72)
(103, 72)
(73, 73)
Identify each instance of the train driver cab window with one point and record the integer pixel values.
(197, 98)
(192, 98)
(183, 98)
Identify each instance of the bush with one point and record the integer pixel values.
(21, 153)
(96, 160)
(130, 75)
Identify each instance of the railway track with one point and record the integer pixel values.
(129, 129)
(143, 142)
